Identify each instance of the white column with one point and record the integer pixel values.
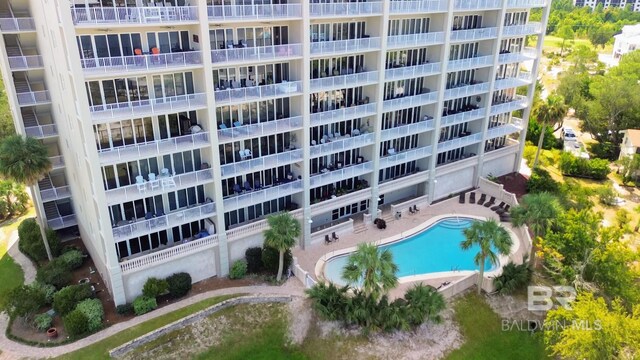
(306, 126)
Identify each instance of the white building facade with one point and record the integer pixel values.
(634, 5)
(627, 41)
(175, 128)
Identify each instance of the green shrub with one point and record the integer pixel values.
(46, 289)
(179, 284)
(30, 240)
(76, 323)
(153, 287)
(71, 259)
(423, 303)
(253, 255)
(271, 258)
(124, 309)
(513, 277)
(329, 301)
(143, 304)
(24, 301)
(604, 150)
(54, 273)
(93, 310)
(68, 297)
(43, 322)
(588, 168)
(606, 194)
(533, 134)
(238, 269)
(541, 181)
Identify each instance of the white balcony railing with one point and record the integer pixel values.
(33, 97)
(474, 34)
(62, 222)
(261, 163)
(523, 4)
(410, 72)
(411, 40)
(134, 15)
(344, 81)
(466, 90)
(405, 156)
(257, 53)
(260, 129)
(502, 130)
(531, 28)
(154, 148)
(57, 162)
(176, 218)
(341, 174)
(259, 196)
(158, 186)
(249, 93)
(148, 107)
(25, 62)
(459, 142)
(119, 64)
(410, 101)
(463, 117)
(55, 193)
(460, 5)
(41, 131)
(471, 63)
(342, 144)
(414, 7)
(406, 130)
(519, 102)
(343, 114)
(345, 9)
(17, 24)
(345, 46)
(522, 79)
(254, 12)
(525, 55)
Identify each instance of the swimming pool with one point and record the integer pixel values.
(435, 249)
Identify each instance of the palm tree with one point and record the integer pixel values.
(425, 303)
(374, 269)
(281, 235)
(539, 211)
(488, 235)
(25, 160)
(549, 113)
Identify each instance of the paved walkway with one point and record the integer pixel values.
(25, 263)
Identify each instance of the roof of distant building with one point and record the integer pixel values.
(629, 31)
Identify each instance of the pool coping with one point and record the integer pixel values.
(502, 259)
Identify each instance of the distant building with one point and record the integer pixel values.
(630, 143)
(627, 41)
(607, 3)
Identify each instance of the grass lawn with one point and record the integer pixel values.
(484, 338)
(11, 276)
(100, 350)
(555, 43)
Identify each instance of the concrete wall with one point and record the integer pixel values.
(500, 166)
(454, 182)
(238, 247)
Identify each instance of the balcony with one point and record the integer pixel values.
(522, 79)
(263, 195)
(320, 206)
(344, 81)
(323, 48)
(407, 130)
(55, 193)
(152, 15)
(502, 130)
(463, 117)
(402, 181)
(238, 133)
(415, 40)
(154, 148)
(511, 147)
(349, 172)
(30, 98)
(129, 229)
(410, 72)
(252, 93)
(474, 34)
(261, 163)
(119, 64)
(525, 55)
(416, 7)
(256, 54)
(41, 131)
(343, 114)
(532, 28)
(518, 102)
(525, 4)
(466, 5)
(341, 144)
(17, 24)
(254, 12)
(149, 107)
(464, 90)
(470, 63)
(459, 142)
(405, 156)
(368, 8)
(57, 162)
(159, 186)
(410, 101)
(62, 222)
(22, 63)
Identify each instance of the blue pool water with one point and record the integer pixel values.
(434, 249)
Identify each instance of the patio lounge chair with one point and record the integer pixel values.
(334, 237)
(494, 208)
(482, 199)
(472, 198)
(491, 202)
(327, 241)
(461, 200)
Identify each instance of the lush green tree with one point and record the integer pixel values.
(601, 35)
(372, 269)
(612, 267)
(575, 233)
(283, 231)
(13, 199)
(534, 130)
(574, 87)
(6, 120)
(551, 112)
(488, 235)
(565, 32)
(24, 301)
(630, 167)
(539, 211)
(582, 56)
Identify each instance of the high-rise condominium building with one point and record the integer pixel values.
(175, 127)
(633, 5)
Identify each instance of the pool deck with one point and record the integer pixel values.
(309, 257)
